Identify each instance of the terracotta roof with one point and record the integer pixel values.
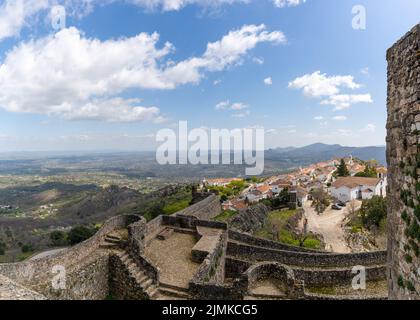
(353, 182)
(264, 188)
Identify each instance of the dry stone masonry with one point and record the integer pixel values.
(403, 146)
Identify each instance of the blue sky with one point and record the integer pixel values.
(121, 70)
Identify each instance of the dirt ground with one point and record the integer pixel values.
(330, 224)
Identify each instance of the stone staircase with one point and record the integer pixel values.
(171, 292)
(114, 240)
(147, 285)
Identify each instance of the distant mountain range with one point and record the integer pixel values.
(322, 152)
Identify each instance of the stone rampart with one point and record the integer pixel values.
(403, 156)
(305, 259)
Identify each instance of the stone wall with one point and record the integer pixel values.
(137, 233)
(312, 276)
(122, 286)
(10, 290)
(86, 269)
(251, 219)
(403, 156)
(305, 259)
(260, 242)
(207, 209)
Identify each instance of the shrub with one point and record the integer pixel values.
(401, 282)
(373, 211)
(79, 234)
(59, 239)
(27, 248)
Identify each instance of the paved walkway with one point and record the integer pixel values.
(173, 257)
(330, 225)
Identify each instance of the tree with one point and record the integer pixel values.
(342, 170)
(27, 248)
(79, 234)
(369, 172)
(320, 200)
(373, 211)
(2, 248)
(58, 239)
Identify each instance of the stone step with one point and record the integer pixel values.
(115, 241)
(146, 284)
(174, 293)
(108, 246)
(173, 287)
(110, 236)
(152, 291)
(267, 296)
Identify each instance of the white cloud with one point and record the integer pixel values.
(344, 101)
(369, 128)
(287, 3)
(318, 85)
(319, 118)
(226, 105)
(14, 14)
(268, 81)
(258, 60)
(175, 5)
(328, 87)
(17, 14)
(365, 71)
(74, 77)
(339, 118)
(217, 82)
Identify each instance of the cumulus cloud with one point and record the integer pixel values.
(14, 14)
(175, 5)
(287, 3)
(268, 81)
(319, 118)
(329, 88)
(75, 77)
(17, 14)
(344, 101)
(318, 84)
(226, 105)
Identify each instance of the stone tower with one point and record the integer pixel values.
(403, 155)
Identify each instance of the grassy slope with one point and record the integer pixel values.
(278, 220)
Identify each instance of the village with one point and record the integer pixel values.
(328, 192)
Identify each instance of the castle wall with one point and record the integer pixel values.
(312, 276)
(305, 259)
(207, 209)
(122, 286)
(260, 242)
(86, 269)
(403, 146)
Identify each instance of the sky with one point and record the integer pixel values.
(112, 73)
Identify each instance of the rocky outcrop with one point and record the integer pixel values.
(403, 155)
(251, 219)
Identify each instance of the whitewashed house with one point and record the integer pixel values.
(346, 189)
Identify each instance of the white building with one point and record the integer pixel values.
(346, 189)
